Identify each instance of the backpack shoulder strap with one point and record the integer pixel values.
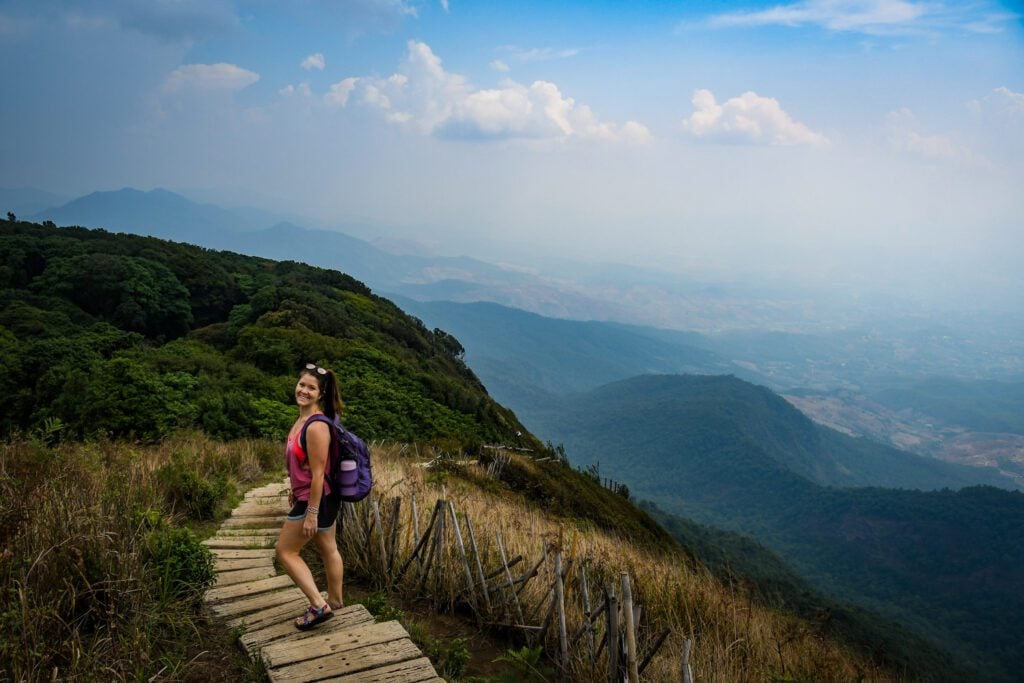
(320, 417)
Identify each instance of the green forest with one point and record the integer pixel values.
(717, 450)
(123, 336)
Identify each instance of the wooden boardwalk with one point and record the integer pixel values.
(249, 593)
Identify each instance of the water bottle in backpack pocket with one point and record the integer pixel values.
(349, 477)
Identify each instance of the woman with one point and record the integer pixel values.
(314, 506)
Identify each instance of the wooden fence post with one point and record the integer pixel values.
(630, 627)
(479, 564)
(687, 669)
(613, 635)
(563, 640)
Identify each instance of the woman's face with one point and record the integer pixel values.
(307, 390)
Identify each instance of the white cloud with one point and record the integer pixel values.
(340, 91)
(434, 101)
(1001, 102)
(749, 119)
(209, 77)
(314, 61)
(444, 6)
(866, 16)
(499, 65)
(539, 54)
(301, 89)
(903, 133)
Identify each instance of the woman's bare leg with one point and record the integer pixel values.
(327, 546)
(289, 543)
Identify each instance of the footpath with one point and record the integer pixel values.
(249, 593)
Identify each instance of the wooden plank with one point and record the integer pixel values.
(243, 563)
(281, 654)
(237, 608)
(245, 590)
(265, 522)
(410, 671)
(232, 554)
(347, 663)
(244, 575)
(285, 611)
(345, 618)
(260, 509)
(248, 532)
(250, 542)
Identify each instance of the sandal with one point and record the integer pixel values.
(313, 616)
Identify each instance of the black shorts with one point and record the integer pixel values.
(328, 515)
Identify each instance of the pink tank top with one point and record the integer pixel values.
(299, 474)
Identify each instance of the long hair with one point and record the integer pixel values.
(330, 396)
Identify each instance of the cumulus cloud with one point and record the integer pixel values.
(437, 102)
(314, 61)
(903, 133)
(302, 89)
(499, 65)
(749, 119)
(340, 91)
(1001, 102)
(209, 77)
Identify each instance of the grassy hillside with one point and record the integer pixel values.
(946, 563)
(106, 580)
(126, 336)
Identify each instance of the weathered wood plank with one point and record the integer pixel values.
(272, 614)
(220, 565)
(238, 543)
(232, 554)
(244, 590)
(260, 509)
(265, 522)
(410, 671)
(244, 575)
(287, 652)
(233, 532)
(347, 663)
(237, 608)
(345, 618)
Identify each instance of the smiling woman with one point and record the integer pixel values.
(315, 506)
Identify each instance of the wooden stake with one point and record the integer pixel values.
(416, 531)
(560, 600)
(508, 575)
(465, 560)
(654, 650)
(687, 669)
(396, 508)
(630, 628)
(613, 635)
(420, 544)
(586, 610)
(479, 564)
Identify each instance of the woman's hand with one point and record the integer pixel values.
(309, 525)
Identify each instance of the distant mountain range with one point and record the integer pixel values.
(727, 453)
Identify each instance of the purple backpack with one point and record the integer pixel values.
(348, 464)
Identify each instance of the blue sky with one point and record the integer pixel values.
(818, 139)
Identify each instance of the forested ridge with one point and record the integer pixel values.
(127, 336)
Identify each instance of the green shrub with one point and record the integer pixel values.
(187, 492)
(182, 565)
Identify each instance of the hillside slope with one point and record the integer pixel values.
(726, 453)
(131, 336)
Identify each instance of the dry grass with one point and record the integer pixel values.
(734, 639)
(100, 580)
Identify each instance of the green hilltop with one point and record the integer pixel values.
(127, 336)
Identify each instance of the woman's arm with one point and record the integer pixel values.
(318, 441)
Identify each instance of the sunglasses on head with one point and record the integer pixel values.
(313, 366)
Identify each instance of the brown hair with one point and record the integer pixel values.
(330, 397)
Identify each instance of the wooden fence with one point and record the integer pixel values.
(446, 562)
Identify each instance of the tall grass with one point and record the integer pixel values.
(100, 577)
(734, 638)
